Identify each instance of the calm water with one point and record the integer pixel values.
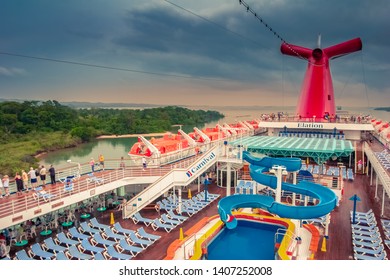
(248, 241)
(116, 148)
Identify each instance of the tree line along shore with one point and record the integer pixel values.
(30, 128)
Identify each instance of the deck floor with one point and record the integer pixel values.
(339, 244)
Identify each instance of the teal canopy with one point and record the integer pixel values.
(319, 149)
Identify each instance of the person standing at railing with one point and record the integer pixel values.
(1, 188)
(144, 164)
(6, 185)
(101, 161)
(33, 177)
(25, 180)
(52, 173)
(19, 183)
(42, 175)
(92, 164)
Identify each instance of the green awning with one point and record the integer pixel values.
(319, 149)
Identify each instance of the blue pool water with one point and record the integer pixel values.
(248, 241)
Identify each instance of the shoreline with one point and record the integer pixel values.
(132, 135)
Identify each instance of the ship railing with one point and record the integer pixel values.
(380, 171)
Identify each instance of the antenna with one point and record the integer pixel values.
(319, 41)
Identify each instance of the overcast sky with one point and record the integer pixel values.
(242, 66)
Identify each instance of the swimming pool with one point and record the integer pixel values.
(248, 241)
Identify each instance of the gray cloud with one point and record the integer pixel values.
(158, 37)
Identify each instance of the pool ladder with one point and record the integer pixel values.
(295, 241)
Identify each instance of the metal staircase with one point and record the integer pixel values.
(176, 177)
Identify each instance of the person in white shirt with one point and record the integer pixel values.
(33, 177)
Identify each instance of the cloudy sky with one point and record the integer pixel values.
(166, 55)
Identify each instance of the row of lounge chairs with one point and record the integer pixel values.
(188, 206)
(245, 187)
(92, 241)
(170, 220)
(167, 221)
(386, 230)
(384, 158)
(366, 238)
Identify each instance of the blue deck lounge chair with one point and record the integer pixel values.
(85, 228)
(369, 251)
(117, 228)
(157, 224)
(368, 238)
(172, 215)
(169, 221)
(50, 245)
(381, 256)
(63, 240)
(138, 218)
(39, 192)
(368, 244)
(23, 256)
(97, 239)
(37, 251)
(108, 233)
(75, 234)
(95, 224)
(76, 254)
(61, 256)
(143, 234)
(93, 179)
(125, 246)
(116, 255)
(87, 246)
(101, 256)
(144, 243)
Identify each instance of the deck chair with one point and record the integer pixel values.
(51, 246)
(95, 224)
(157, 224)
(364, 227)
(369, 251)
(125, 246)
(76, 254)
(93, 179)
(61, 256)
(37, 251)
(22, 255)
(75, 234)
(97, 239)
(364, 232)
(138, 218)
(85, 228)
(172, 215)
(117, 228)
(367, 237)
(116, 255)
(39, 192)
(134, 239)
(169, 221)
(368, 213)
(87, 246)
(68, 184)
(381, 256)
(189, 212)
(63, 240)
(108, 233)
(101, 256)
(375, 244)
(143, 234)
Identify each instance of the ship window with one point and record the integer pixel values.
(329, 98)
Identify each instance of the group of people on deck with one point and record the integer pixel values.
(25, 181)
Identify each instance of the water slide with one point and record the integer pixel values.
(327, 198)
